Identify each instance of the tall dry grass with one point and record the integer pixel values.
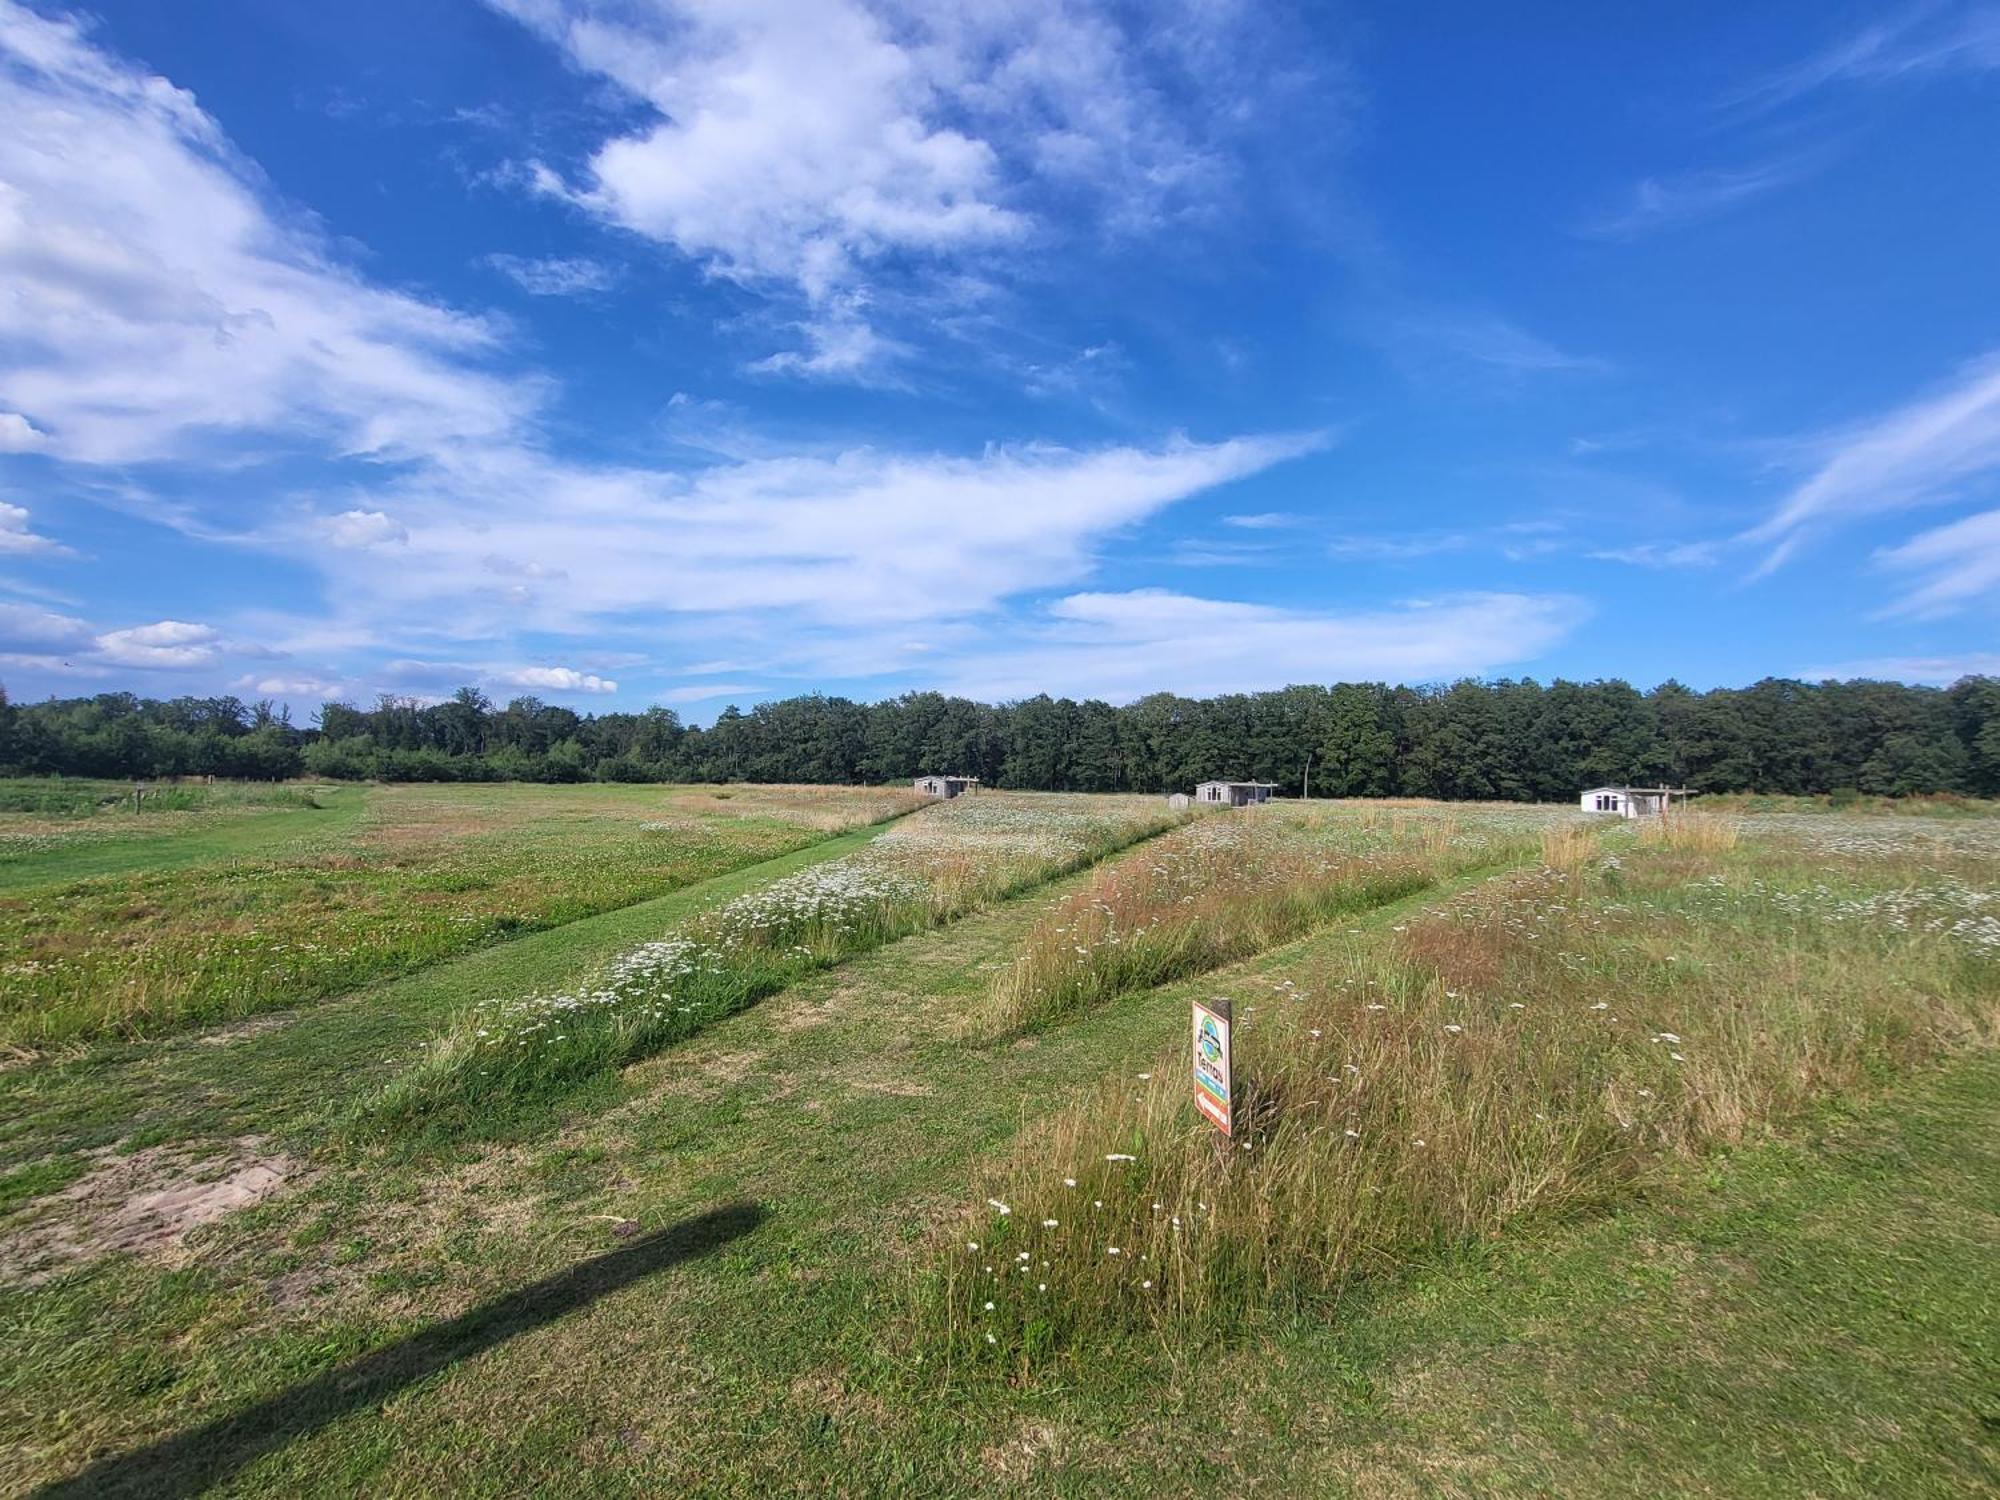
(1224, 887)
(1567, 846)
(1531, 1049)
(1705, 833)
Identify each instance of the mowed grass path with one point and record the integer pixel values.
(231, 834)
(1701, 1330)
(278, 1075)
(145, 932)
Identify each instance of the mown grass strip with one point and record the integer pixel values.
(434, 873)
(516, 1056)
(285, 1080)
(125, 845)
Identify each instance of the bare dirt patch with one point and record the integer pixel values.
(143, 1202)
(1032, 1446)
(242, 1031)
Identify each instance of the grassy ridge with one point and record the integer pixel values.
(1529, 1051)
(520, 1053)
(1221, 889)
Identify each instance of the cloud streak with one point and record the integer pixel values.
(1925, 451)
(1119, 646)
(1659, 204)
(1922, 41)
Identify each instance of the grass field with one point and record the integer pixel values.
(1713, 1211)
(295, 901)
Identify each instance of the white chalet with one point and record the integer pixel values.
(1633, 801)
(1234, 793)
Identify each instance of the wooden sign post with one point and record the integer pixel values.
(1212, 1087)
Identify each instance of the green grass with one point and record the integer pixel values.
(1803, 1315)
(71, 797)
(240, 916)
(1536, 1049)
(1219, 890)
(115, 844)
(283, 1081)
(518, 1056)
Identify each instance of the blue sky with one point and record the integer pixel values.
(635, 351)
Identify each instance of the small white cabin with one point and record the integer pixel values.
(1234, 793)
(1633, 801)
(946, 786)
(1179, 801)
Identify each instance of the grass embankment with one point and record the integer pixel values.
(239, 916)
(1227, 886)
(1532, 1050)
(520, 1052)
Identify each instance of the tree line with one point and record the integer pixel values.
(1506, 739)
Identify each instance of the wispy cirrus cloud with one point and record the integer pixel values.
(1443, 343)
(1658, 204)
(555, 276)
(846, 540)
(1922, 40)
(1118, 646)
(1952, 565)
(1701, 554)
(1937, 447)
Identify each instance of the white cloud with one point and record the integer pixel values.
(555, 276)
(1956, 565)
(840, 345)
(166, 643)
(1934, 670)
(847, 541)
(1437, 342)
(363, 529)
(708, 692)
(1267, 520)
(791, 141)
(154, 306)
(1921, 41)
(1924, 451)
(18, 434)
(1662, 203)
(1121, 646)
(557, 680)
(15, 537)
(1662, 554)
(1401, 548)
(162, 307)
(27, 631)
(805, 145)
(321, 688)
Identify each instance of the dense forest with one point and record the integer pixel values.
(1501, 739)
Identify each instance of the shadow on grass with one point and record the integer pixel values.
(192, 1462)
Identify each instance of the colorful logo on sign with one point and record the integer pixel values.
(1211, 1067)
